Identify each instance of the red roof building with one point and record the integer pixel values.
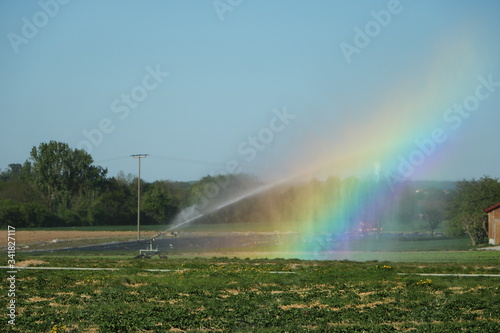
(494, 224)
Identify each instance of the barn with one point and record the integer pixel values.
(494, 224)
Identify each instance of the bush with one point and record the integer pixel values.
(24, 215)
(36, 215)
(10, 214)
(69, 217)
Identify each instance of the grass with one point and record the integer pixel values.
(84, 259)
(456, 257)
(229, 294)
(405, 245)
(247, 295)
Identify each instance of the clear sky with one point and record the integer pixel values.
(263, 86)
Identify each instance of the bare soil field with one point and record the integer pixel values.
(53, 239)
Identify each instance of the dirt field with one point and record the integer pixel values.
(31, 238)
(126, 240)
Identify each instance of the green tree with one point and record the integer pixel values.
(466, 209)
(222, 197)
(158, 205)
(62, 175)
(116, 205)
(24, 214)
(10, 214)
(17, 190)
(432, 216)
(12, 173)
(432, 208)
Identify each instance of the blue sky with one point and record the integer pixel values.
(205, 77)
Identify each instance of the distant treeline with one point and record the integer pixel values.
(60, 186)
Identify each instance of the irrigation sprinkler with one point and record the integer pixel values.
(149, 252)
(150, 247)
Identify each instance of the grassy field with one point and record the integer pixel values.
(383, 288)
(256, 295)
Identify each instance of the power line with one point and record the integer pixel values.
(139, 156)
(112, 159)
(187, 160)
(170, 158)
(221, 165)
(218, 164)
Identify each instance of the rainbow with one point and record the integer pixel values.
(406, 137)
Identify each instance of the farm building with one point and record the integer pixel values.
(494, 224)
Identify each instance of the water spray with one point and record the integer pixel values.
(351, 160)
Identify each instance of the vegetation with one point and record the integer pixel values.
(433, 208)
(60, 186)
(467, 207)
(63, 177)
(243, 295)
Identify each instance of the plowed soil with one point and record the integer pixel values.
(33, 238)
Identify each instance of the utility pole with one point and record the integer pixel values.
(139, 156)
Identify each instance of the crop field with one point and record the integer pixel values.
(223, 294)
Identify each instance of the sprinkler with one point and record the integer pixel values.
(149, 252)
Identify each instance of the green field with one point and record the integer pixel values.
(258, 295)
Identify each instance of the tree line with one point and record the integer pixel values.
(61, 186)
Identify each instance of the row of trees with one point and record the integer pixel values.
(60, 186)
(334, 204)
